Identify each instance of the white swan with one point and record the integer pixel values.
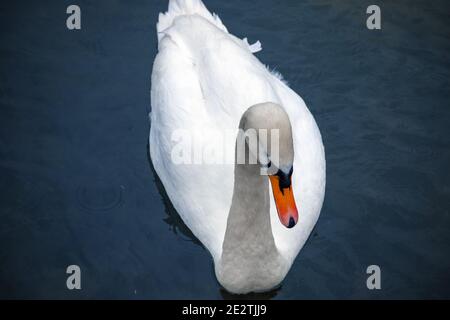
(203, 77)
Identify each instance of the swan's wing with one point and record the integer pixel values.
(200, 194)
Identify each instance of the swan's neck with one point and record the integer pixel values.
(248, 223)
(249, 251)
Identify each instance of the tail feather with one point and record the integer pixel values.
(186, 7)
(191, 7)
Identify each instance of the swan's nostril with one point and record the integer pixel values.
(291, 222)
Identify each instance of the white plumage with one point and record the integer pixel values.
(204, 77)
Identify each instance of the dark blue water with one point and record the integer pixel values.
(76, 185)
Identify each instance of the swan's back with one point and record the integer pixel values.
(203, 77)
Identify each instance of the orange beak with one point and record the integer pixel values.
(284, 200)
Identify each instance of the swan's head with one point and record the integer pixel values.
(274, 151)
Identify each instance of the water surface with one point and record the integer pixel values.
(76, 185)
